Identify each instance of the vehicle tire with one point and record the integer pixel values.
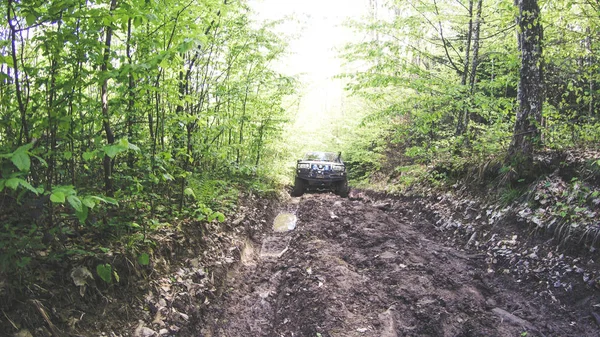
(299, 186)
(342, 189)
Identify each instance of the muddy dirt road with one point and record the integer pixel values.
(355, 268)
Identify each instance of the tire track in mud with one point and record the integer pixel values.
(352, 269)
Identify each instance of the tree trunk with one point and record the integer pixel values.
(110, 137)
(243, 117)
(526, 135)
(460, 126)
(130, 93)
(473, 75)
(22, 106)
(51, 113)
(590, 65)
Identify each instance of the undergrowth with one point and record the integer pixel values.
(65, 226)
(563, 200)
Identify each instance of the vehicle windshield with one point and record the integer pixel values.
(322, 156)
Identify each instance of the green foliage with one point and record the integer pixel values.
(144, 259)
(567, 209)
(15, 244)
(509, 195)
(416, 69)
(61, 194)
(9, 178)
(105, 272)
(21, 158)
(171, 119)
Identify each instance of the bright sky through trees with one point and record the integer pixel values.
(318, 31)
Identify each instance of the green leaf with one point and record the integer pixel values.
(137, 21)
(2, 184)
(42, 161)
(105, 272)
(57, 197)
(82, 216)
(189, 191)
(75, 202)
(89, 202)
(116, 275)
(12, 183)
(144, 259)
(133, 147)
(216, 215)
(28, 186)
(164, 63)
(112, 150)
(107, 200)
(31, 18)
(68, 155)
(6, 60)
(21, 160)
(88, 155)
(23, 262)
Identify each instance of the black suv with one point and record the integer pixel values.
(321, 170)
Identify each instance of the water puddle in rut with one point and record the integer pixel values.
(284, 222)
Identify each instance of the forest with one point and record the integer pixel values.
(130, 107)
(121, 120)
(466, 81)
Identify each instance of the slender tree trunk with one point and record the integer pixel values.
(110, 138)
(51, 112)
(261, 130)
(475, 62)
(590, 65)
(24, 134)
(77, 67)
(460, 126)
(526, 135)
(242, 120)
(467, 61)
(130, 93)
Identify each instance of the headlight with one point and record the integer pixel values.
(338, 167)
(303, 166)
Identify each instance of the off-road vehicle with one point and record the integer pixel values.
(321, 171)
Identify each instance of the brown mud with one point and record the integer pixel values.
(360, 268)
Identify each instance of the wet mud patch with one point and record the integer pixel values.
(356, 268)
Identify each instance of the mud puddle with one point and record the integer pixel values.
(284, 222)
(353, 268)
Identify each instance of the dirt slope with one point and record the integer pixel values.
(356, 268)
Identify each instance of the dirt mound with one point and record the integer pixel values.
(358, 268)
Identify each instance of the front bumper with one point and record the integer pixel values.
(320, 177)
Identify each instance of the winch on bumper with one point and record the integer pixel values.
(321, 175)
(321, 170)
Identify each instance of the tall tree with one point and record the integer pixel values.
(526, 134)
(11, 18)
(110, 137)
